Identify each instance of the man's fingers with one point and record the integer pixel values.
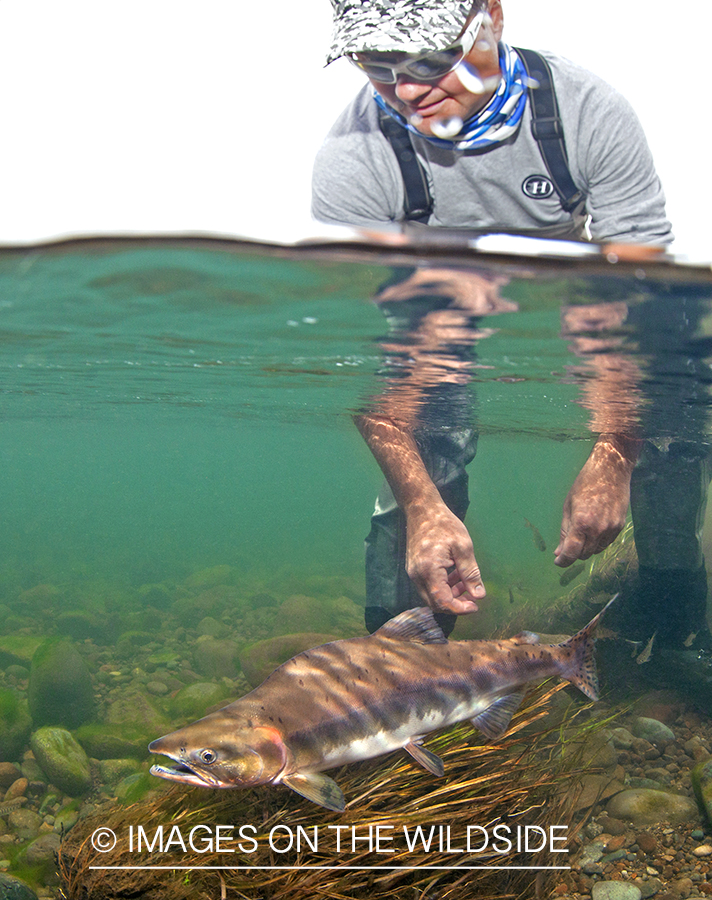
(570, 548)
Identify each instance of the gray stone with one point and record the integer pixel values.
(642, 807)
(14, 889)
(42, 850)
(615, 890)
(24, 823)
(649, 887)
(651, 730)
(701, 777)
(60, 690)
(9, 773)
(614, 856)
(592, 853)
(62, 759)
(621, 738)
(216, 659)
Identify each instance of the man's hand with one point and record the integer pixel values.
(440, 561)
(595, 508)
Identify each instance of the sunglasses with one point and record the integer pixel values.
(428, 67)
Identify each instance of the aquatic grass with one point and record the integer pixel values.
(521, 779)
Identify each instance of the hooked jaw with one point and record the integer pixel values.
(228, 763)
(179, 770)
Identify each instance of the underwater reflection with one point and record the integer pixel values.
(640, 367)
(659, 399)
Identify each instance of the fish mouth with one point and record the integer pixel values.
(179, 772)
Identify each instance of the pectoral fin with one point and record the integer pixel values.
(425, 758)
(494, 721)
(318, 788)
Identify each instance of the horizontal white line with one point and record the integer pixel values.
(336, 868)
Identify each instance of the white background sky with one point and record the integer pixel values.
(169, 116)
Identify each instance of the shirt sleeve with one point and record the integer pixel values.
(356, 180)
(625, 198)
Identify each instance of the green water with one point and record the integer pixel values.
(165, 409)
(181, 480)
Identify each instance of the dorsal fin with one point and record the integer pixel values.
(414, 625)
(525, 637)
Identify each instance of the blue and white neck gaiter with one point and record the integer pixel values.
(495, 122)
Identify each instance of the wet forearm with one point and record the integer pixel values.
(396, 452)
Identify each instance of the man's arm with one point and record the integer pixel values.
(596, 507)
(440, 558)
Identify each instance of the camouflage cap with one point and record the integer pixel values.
(406, 26)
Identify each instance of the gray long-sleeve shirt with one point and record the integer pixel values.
(357, 180)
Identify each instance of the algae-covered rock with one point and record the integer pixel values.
(210, 577)
(210, 626)
(158, 595)
(60, 690)
(135, 712)
(112, 771)
(135, 787)
(701, 777)
(216, 659)
(101, 740)
(260, 659)
(24, 824)
(128, 641)
(39, 598)
(13, 889)
(41, 853)
(80, 625)
(18, 649)
(15, 726)
(169, 658)
(62, 759)
(67, 817)
(193, 701)
(300, 613)
(643, 806)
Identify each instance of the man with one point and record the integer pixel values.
(489, 175)
(444, 89)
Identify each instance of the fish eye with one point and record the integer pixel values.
(208, 756)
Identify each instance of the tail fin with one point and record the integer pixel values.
(578, 664)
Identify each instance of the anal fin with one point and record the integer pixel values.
(425, 758)
(494, 721)
(318, 788)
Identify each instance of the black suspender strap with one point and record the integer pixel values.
(418, 202)
(547, 128)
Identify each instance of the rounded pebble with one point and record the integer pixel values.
(615, 890)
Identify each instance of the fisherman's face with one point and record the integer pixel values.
(425, 103)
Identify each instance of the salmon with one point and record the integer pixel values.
(363, 697)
